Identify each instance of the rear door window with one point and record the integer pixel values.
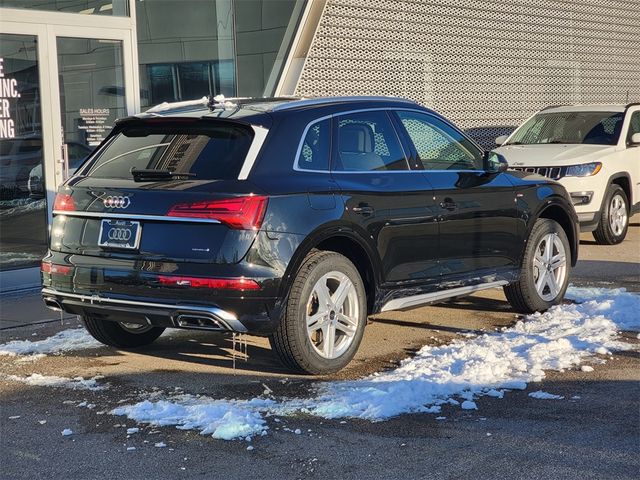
(367, 141)
(205, 152)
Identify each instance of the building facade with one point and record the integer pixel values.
(69, 68)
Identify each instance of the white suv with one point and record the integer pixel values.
(594, 151)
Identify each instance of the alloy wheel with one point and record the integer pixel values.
(332, 315)
(549, 267)
(618, 215)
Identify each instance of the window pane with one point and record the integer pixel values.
(186, 50)
(86, 7)
(439, 146)
(23, 220)
(315, 147)
(599, 128)
(92, 96)
(262, 26)
(368, 142)
(207, 152)
(634, 125)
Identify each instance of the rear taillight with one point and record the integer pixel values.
(54, 269)
(64, 202)
(244, 213)
(240, 284)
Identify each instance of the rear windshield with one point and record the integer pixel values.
(204, 152)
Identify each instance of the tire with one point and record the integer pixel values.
(304, 341)
(614, 217)
(525, 295)
(121, 335)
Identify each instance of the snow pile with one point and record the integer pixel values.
(219, 418)
(77, 383)
(458, 373)
(621, 306)
(64, 341)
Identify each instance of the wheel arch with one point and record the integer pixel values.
(557, 211)
(346, 242)
(623, 180)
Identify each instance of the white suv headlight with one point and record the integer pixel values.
(584, 170)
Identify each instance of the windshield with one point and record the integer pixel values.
(597, 128)
(202, 152)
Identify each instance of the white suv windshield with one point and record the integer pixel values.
(597, 128)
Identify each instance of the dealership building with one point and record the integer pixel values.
(70, 68)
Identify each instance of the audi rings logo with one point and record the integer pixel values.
(121, 201)
(120, 234)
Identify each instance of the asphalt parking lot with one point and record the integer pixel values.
(593, 433)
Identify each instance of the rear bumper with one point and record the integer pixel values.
(133, 311)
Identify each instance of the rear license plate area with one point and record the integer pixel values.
(119, 234)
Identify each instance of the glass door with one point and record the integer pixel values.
(95, 85)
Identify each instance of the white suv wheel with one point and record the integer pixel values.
(618, 215)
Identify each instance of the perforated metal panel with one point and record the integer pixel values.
(485, 64)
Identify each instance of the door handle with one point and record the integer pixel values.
(363, 209)
(448, 204)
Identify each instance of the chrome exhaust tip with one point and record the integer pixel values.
(52, 303)
(200, 322)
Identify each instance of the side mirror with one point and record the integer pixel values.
(635, 140)
(501, 139)
(495, 163)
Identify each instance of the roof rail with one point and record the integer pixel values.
(632, 104)
(304, 102)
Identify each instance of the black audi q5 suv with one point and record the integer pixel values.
(295, 219)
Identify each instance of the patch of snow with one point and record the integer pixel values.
(130, 449)
(545, 395)
(224, 419)
(160, 445)
(42, 422)
(14, 417)
(469, 405)
(77, 383)
(617, 302)
(131, 431)
(64, 341)
(586, 368)
(66, 432)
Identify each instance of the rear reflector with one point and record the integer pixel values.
(244, 213)
(240, 284)
(53, 269)
(64, 202)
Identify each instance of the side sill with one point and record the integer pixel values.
(425, 298)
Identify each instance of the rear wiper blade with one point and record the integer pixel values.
(140, 174)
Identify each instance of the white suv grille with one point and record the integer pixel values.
(554, 173)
